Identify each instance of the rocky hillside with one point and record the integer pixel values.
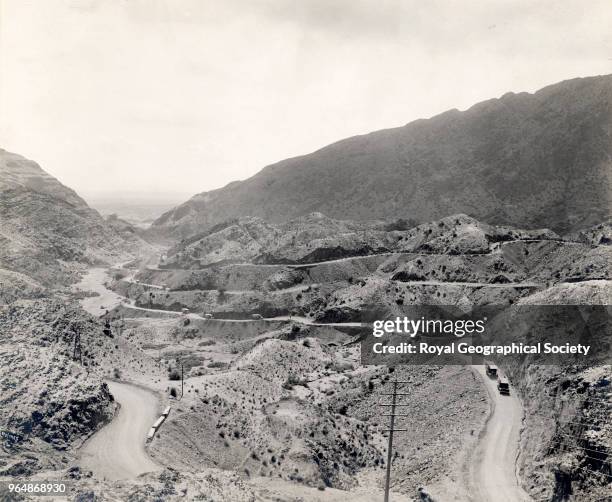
(52, 394)
(598, 234)
(291, 402)
(45, 225)
(54, 359)
(310, 237)
(527, 160)
(315, 237)
(344, 271)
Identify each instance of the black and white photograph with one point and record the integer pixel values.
(306, 250)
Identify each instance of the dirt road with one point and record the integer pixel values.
(94, 281)
(118, 450)
(505, 285)
(299, 319)
(493, 470)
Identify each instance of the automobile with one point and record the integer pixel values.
(491, 370)
(503, 386)
(256, 316)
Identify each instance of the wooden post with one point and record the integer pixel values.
(390, 446)
(77, 346)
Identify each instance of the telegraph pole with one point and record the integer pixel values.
(77, 346)
(180, 361)
(390, 446)
(393, 405)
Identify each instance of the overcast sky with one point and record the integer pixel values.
(183, 96)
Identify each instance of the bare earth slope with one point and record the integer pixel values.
(527, 160)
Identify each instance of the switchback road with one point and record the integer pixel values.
(117, 451)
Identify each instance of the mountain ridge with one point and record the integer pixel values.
(527, 160)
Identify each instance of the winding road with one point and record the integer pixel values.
(493, 473)
(117, 451)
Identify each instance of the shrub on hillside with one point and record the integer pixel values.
(293, 380)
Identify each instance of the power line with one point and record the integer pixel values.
(594, 458)
(594, 422)
(578, 446)
(595, 472)
(571, 437)
(601, 461)
(587, 423)
(547, 499)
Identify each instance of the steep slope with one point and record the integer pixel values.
(527, 160)
(44, 225)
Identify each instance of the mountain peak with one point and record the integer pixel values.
(19, 173)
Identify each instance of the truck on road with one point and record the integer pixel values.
(503, 386)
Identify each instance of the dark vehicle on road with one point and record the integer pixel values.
(503, 386)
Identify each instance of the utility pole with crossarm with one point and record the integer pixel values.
(393, 405)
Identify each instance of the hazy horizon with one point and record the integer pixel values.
(162, 100)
